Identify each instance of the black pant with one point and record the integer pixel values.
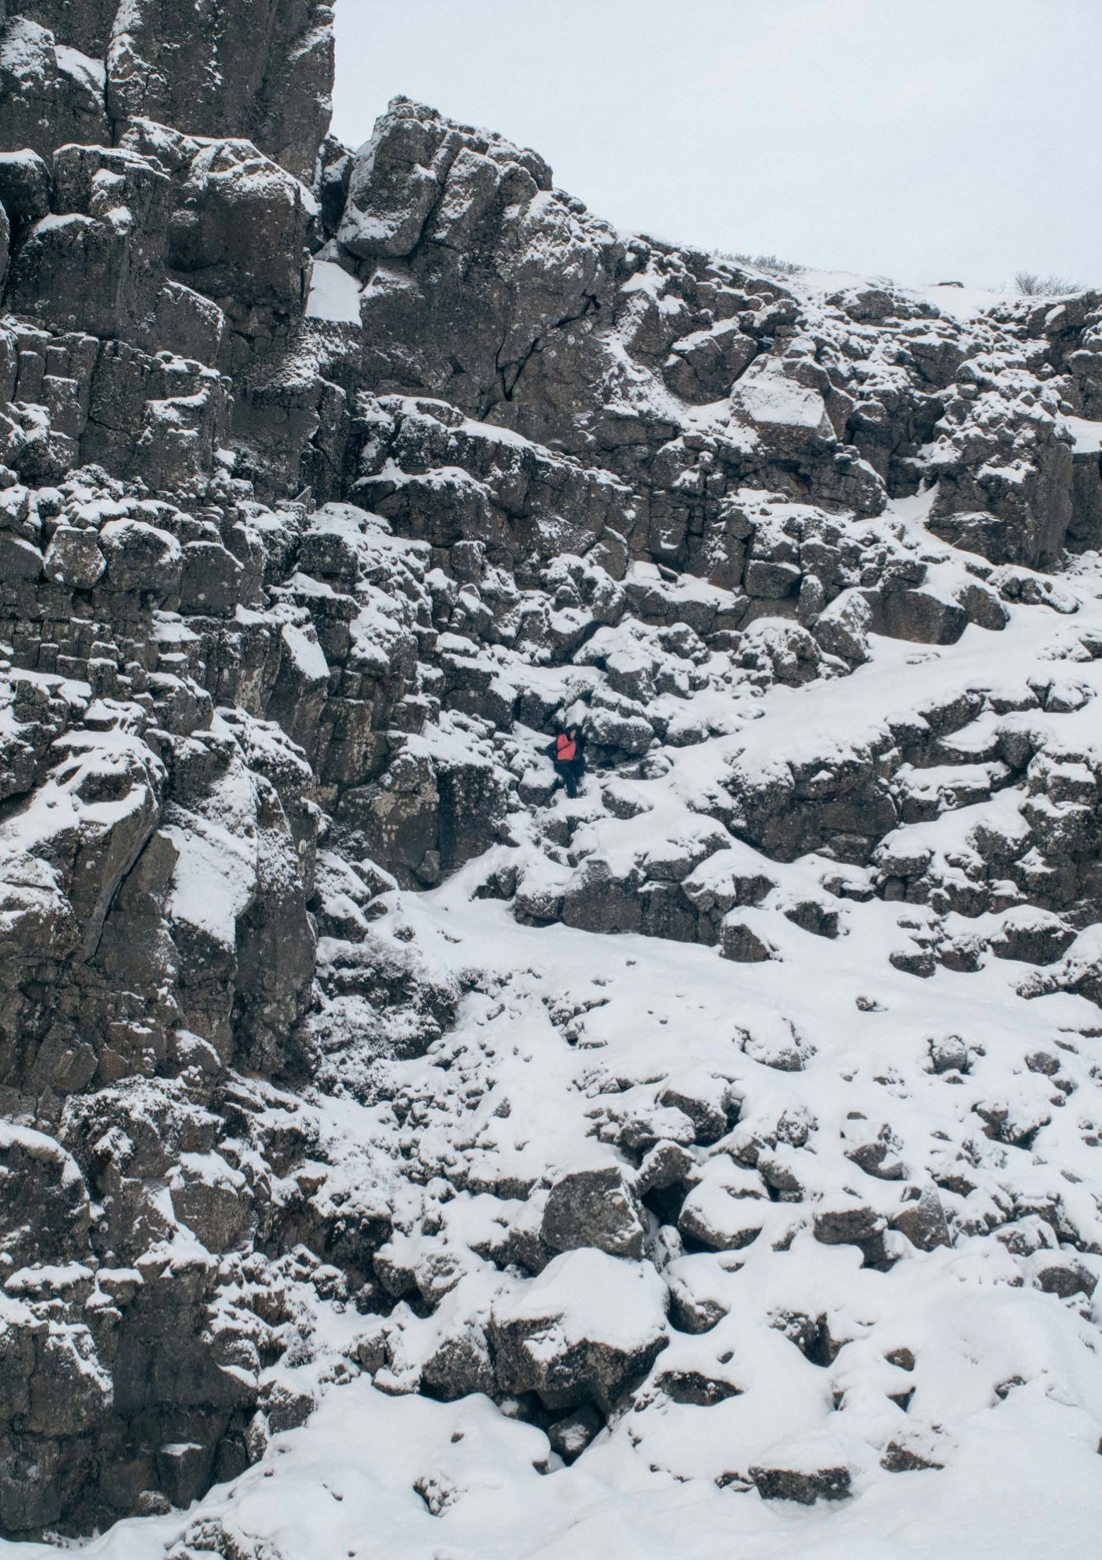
(570, 773)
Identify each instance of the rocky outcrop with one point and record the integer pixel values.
(331, 483)
(80, 73)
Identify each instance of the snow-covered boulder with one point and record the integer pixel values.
(588, 1328)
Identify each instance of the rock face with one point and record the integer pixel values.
(264, 72)
(334, 1042)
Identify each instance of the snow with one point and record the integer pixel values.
(652, 1014)
(564, 1037)
(23, 44)
(37, 1145)
(351, 1476)
(334, 294)
(67, 220)
(305, 652)
(768, 397)
(92, 74)
(1087, 436)
(960, 303)
(43, 1277)
(588, 1295)
(209, 889)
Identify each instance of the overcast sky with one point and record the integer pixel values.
(919, 139)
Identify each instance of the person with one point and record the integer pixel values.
(567, 753)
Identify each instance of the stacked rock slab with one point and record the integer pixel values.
(289, 605)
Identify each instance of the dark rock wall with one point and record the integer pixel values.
(147, 267)
(263, 71)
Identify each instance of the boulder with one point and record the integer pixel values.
(843, 627)
(45, 1215)
(571, 1435)
(628, 733)
(596, 1208)
(207, 1196)
(923, 1222)
(849, 1224)
(211, 580)
(1032, 935)
(788, 416)
(781, 1483)
(742, 942)
(1063, 1277)
(586, 1330)
(141, 557)
(693, 1386)
(596, 900)
(771, 579)
(726, 1209)
(983, 606)
(922, 616)
(74, 558)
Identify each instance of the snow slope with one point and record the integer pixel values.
(962, 1357)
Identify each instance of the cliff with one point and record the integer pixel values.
(727, 1135)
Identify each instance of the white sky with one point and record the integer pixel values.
(920, 139)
